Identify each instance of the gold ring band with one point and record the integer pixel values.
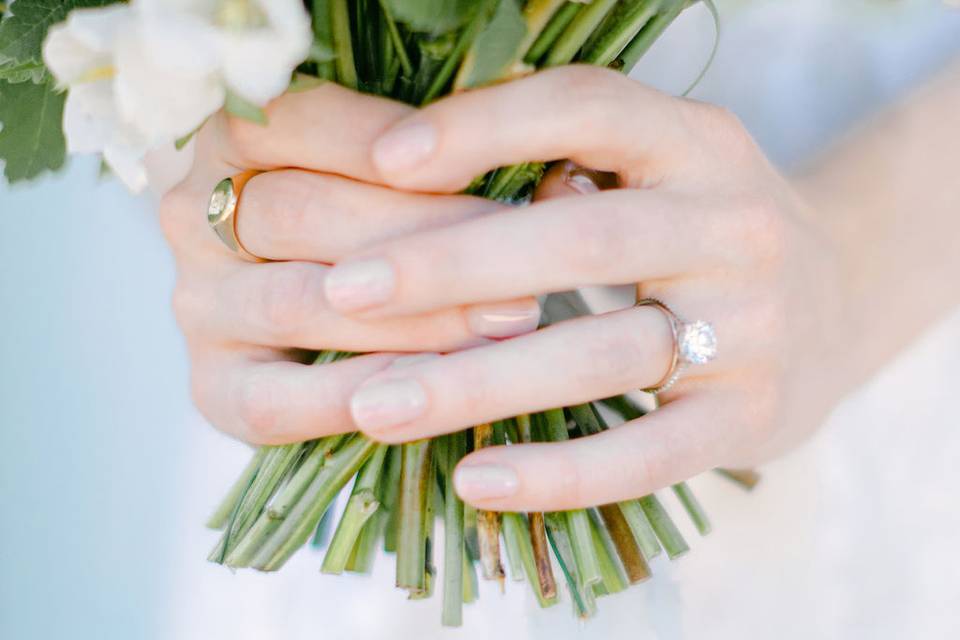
(223, 213)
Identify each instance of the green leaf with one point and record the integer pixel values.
(241, 108)
(25, 26)
(31, 140)
(497, 48)
(23, 72)
(432, 16)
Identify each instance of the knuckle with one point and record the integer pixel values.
(202, 392)
(258, 409)
(596, 92)
(184, 305)
(761, 228)
(174, 213)
(245, 140)
(287, 298)
(720, 128)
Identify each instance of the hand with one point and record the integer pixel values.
(701, 221)
(246, 323)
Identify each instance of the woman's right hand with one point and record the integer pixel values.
(249, 326)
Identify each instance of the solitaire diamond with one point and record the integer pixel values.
(698, 342)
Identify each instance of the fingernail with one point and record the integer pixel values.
(485, 481)
(352, 286)
(503, 321)
(382, 405)
(405, 147)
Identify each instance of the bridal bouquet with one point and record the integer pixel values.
(124, 79)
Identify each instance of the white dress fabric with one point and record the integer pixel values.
(852, 536)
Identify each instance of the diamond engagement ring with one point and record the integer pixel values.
(222, 213)
(693, 343)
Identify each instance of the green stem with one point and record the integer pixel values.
(277, 464)
(464, 42)
(583, 598)
(537, 14)
(642, 531)
(554, 28)
(292, 491)
(488, 522)
(343, 44)
(692, 506)
(515, 528)
(323, 34)
(744, 478)
(578, 522)
(632, 53)
(297, 527)
(613, 577)
(391, 497)
(455, 448)
(360, 508)
(411, 534)
(221, 517)
(667, 532)
(634, 565)
(625, 22)
(576, 34)
(398, 47)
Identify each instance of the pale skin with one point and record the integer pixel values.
(812, 282)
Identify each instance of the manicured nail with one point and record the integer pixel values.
(382, 405)
(361, 284)
(503, 320)
(485, 481)
(405, 147)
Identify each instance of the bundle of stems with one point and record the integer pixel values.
(418, 51)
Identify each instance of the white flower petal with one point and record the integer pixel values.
(127, 163)
(163, 104)
(89, 117)
(254, 68)
(97, 29)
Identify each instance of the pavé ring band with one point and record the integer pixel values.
(693, 343)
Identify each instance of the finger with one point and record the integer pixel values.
(329, 129)
(678, 441)
(613, 237)
(279, 402)
(596, 117)
(567, 363)
(567, 179)
(300, 215)
(282, 304)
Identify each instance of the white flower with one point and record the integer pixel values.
(144, 74)
(175, 70)
(80, 54)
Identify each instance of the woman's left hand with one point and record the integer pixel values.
(700, 220)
